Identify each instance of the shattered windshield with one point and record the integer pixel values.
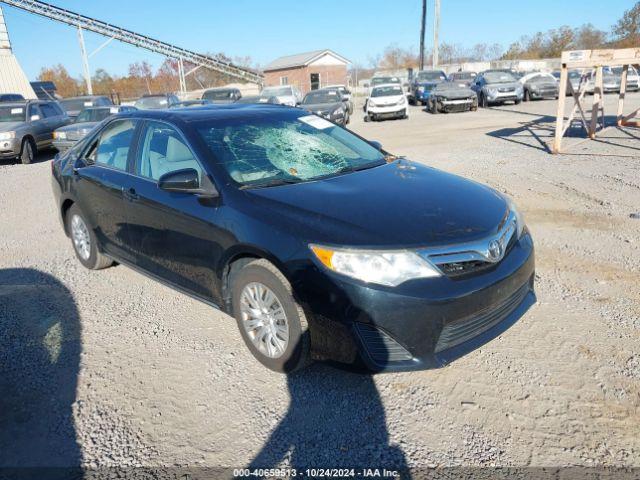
(267, 151)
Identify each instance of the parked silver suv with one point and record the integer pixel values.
(27, 126)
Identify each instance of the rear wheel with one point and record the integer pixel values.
(272, 324)
(84, 241)
(27, 152)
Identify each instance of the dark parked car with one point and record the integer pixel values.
(67, 136)
(259, 99)
(27, 126)
(328, 104)
(422, 83)
(319, 243)
(539, 85)
(74, 105)
(222, 95)
(11, 97)
(497, 87)
(464, 79)
(156, 101)
(449, 97)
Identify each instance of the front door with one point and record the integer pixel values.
(315, 81)
(99, 186)
(174, 235)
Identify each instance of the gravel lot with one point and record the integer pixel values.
(109, 368)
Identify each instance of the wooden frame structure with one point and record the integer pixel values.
(585, 59)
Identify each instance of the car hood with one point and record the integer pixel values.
(515, 85)
(76, 127)
(542, 84)
(396, 205)
(386, 101)
(8, 126)
(428, 84)
(321, 107)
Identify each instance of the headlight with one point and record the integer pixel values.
(59, 135)
(371, 103)
(401, 101)
(389, 268)
(7, 135)
(516, 213)
(337, 111)
(519, 90)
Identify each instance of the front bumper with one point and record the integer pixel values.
(460, 105)
(427, 323)
(10, 148)
(393, 111)
(63, 145)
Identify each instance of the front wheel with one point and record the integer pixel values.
(84, 241)
(27, 152)
(517, 102)
(272, 324)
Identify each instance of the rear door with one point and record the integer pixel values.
(174, 235)
(100, 185)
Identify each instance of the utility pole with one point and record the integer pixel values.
(422, 32)
(85, 62)
(436, 30)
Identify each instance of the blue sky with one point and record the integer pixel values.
(264, 30)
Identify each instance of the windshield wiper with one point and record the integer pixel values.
(273, 183)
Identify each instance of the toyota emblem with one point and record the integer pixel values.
(495, 250)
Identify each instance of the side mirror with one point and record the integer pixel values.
(78, 164)
(375, 144)
(34, 118)
(187, 181)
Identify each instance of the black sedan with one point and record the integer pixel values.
(319, 243)
(328, 104)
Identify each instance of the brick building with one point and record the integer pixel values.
(308, 71)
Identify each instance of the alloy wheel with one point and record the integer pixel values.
(80, 236)
(264, 319)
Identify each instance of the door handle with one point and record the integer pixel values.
(130, 194)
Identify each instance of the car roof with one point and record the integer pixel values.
(80, 97)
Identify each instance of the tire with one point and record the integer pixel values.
(27, 151)
(259, 274)
(517, 102)
(527, 96)
(366, 118)
(412, 101)
(94, 260)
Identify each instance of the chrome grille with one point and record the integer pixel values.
(468, 258)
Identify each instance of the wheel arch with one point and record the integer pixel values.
(64, 208)
(236, 257)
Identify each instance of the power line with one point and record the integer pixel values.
(141, 41)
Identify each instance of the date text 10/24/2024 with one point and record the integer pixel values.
(316, 473)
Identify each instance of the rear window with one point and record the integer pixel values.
(219, 95)
(76, 104)
(151, 103)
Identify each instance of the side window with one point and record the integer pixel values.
(164, 151)
(112, 147)
(57, 108)
(48, 111)
(34, 110)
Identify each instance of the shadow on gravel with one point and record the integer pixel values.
(335, 419)
(39, 360)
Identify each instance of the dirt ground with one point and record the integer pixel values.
(120, 370)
